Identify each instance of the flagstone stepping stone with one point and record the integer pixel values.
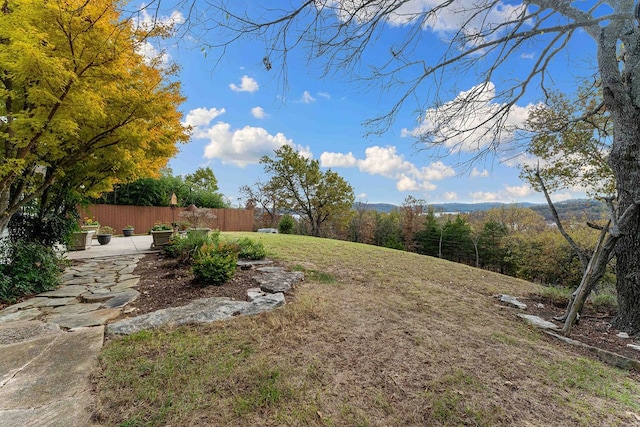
(78, 281)
(76, 308)
(29, 314)
(91, 318)
(121, 299)
(65, 291)
(131, 283)
(50, 385)
(56, 302)
(31, 302)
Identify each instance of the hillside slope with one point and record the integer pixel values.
(396, 339)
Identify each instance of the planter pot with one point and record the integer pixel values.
(127, 232)
(80, 240)
(93, 228)
(104, 239)
(161, 238)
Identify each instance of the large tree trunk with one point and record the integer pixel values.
(621, 92)
(626, 165)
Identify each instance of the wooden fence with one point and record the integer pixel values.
(144, 217)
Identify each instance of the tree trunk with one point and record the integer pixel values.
(596, 267)
(625, 162)
(621, 93)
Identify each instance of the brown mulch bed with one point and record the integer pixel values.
(166, 283)
(594, 327)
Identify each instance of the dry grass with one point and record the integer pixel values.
(397, 339)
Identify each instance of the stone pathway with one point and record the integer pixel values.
(49, 344)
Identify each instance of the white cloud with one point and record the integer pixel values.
(386, 162)
(462, 17)
(147, 22)
(362, 196)
(528, 55)
(202, 116)
(152, 54)
(324, 95)
(509, 193)
(482, 174)
(450, 195)
(481, 196)
(470, 121)
(243, 146)
(330, 160)
(258, 113)
(306, 98)
(518, 191)
(247, 84)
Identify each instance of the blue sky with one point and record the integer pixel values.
(240, 111)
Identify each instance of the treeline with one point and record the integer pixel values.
(199, 188)
(510, 240)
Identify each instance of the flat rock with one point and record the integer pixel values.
(49, 382)
(65, 291)
(511, 300)
(538, 322)
(203, 310)
(633, 346)
(121, 299)
(15, 332)
(31, 302)
(90, 297)
(78, 281)
(254, 293)
(81, 320)
(76, 309)
(20, 315)
(57, 302)
(131, 283)
(278, 280)
(247, 264)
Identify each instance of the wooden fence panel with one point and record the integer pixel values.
(144, 217)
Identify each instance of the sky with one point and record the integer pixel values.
(239, 112)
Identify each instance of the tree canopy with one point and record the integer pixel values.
(81, 106)
(199, 188)
(303, 188)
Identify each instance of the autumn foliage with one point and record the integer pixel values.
(80, 107)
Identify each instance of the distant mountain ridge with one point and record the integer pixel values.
(574, 207)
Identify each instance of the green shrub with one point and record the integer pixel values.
(286, 224)
(250, 249)
(215, 263)
(28, 268)
(185, 248)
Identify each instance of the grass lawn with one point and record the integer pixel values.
(373, 337)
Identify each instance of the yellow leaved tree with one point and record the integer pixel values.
(81, 107)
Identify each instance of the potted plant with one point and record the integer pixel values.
(104, 234)
(161, 234)
(128, 230)
(80, 240)
(90, 224)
